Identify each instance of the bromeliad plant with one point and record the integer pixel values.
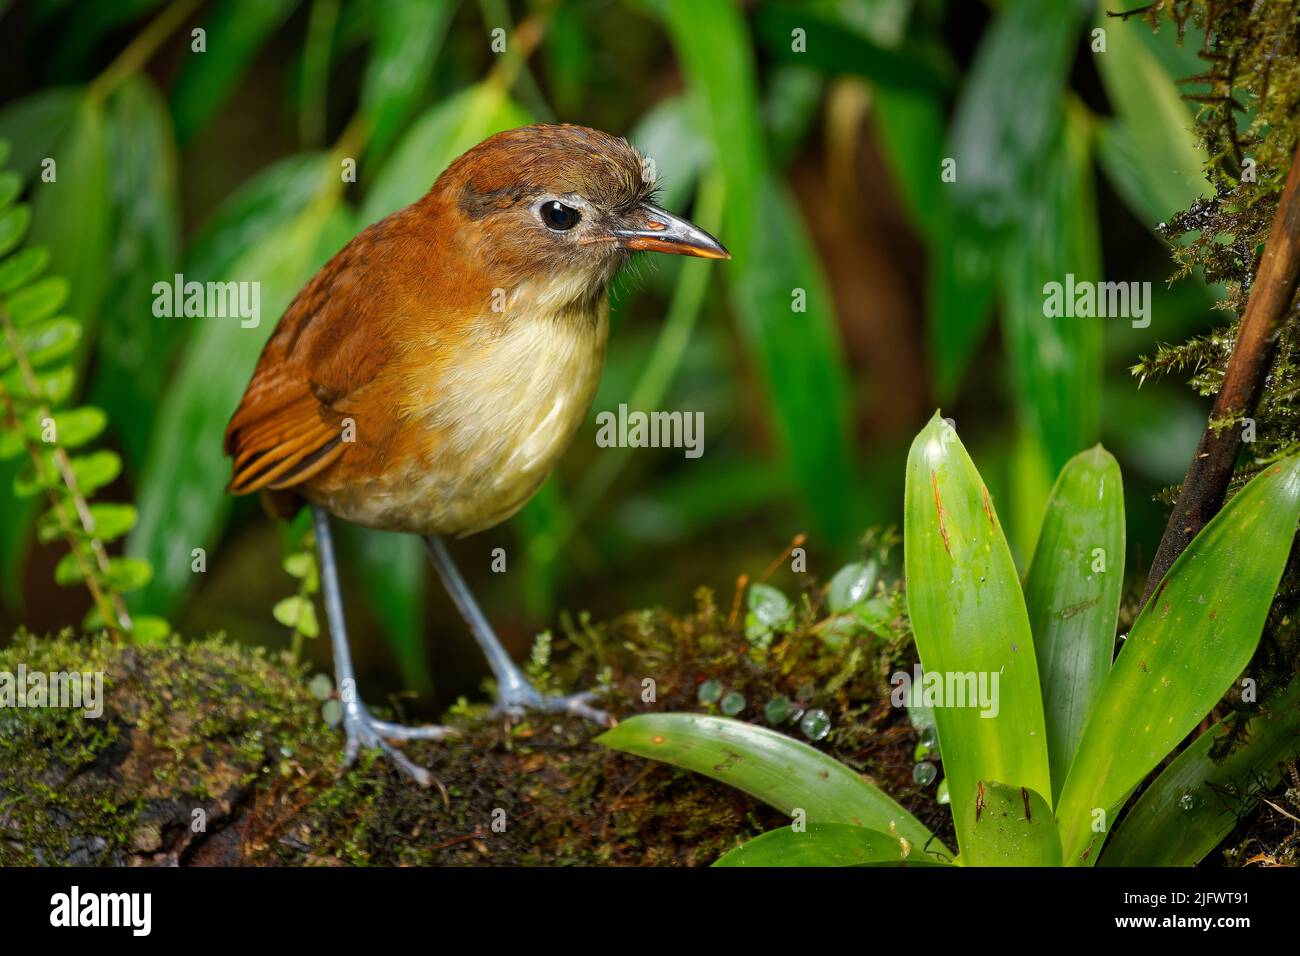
(1077, 729)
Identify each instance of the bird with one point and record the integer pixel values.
(429, 377)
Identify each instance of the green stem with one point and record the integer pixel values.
(139, 50)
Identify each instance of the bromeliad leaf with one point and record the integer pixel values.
(970, 622)
(1073, 592)
(1012, 826)
(822, 844)
(776, 769)
(1196, 633)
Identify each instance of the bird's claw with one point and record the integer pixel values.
(364, 730)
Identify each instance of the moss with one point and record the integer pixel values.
(212, 726)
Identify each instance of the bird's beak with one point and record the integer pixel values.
(657, 230)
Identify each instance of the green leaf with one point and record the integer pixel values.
(1006, 116)
(832, 48)
(1150, 153)
(111, 521)
(776, 286)
(13, 226)
(299, 614)
(38, 301)
(1008, 826)
(1055, 361)
(148, 629)
(1073, 591)
(95, 470)
(135, 346)
(821, 844)
(22, 268)
(45, 343)
(128, 574)
(1193, 637)
(433, 141)
(181, 490)
(970, 622)
(403, 55)
(67, 572)
(776, 769)
(52, 385)
(11, 184)
(73, 427)
(236, 30)
(70, 215)
(1199, 799)
(852, 585)
(34, 124)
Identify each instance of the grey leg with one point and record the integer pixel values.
(514, 694)
(361, 728)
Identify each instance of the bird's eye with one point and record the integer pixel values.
(558, 216)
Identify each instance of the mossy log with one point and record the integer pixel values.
(209, 753)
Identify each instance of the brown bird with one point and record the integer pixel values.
(429, 377)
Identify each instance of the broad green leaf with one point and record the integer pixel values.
(34, 124)
(852, 585)
(70, 215)
(1193, 637)
(970, 622)
(1198, 800)
(667, 135)
(1073, 590)
(135, 345)
(776, 769)
(1150, 153)
(1008, 826)
(402, 58)
(22, 267)
(1006, 117)
(1055, 360)
(149, 629)
(831, 47)
(433, 141)
(821, 844)
(776, 286)
(181, 493)
(911, 126)
(236, 30)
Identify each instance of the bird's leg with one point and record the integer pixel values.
(361, 727)
(514, 694)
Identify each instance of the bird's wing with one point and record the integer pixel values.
(326, 348)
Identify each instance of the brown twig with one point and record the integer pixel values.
(1206, 483)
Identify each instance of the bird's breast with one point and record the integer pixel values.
(486, 427)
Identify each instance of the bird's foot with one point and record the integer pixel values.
(365, 730)
(520, 697)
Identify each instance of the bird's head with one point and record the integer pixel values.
(561, 200)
